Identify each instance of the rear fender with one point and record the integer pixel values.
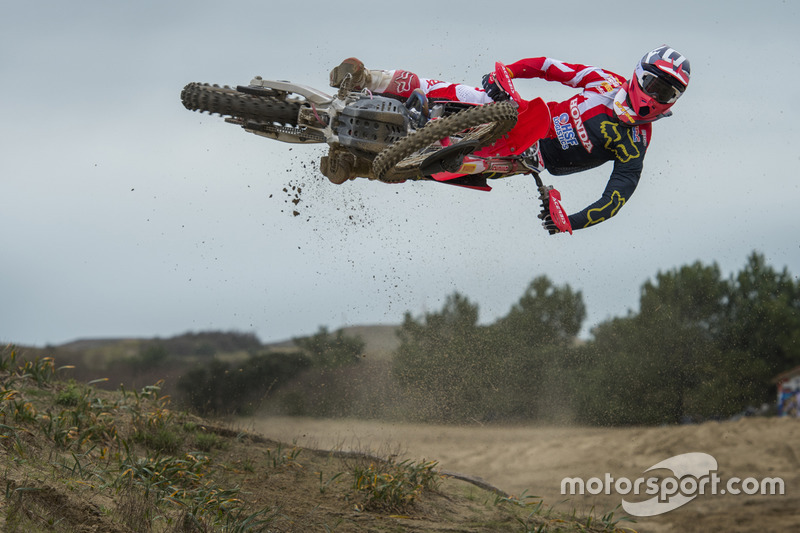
(309, 93)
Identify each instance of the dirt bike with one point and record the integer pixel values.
(382, 137)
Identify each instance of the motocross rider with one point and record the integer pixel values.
(609, 120)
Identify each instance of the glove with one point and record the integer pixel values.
(493, 90)
(550, 226)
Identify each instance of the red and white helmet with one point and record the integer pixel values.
(660, 78)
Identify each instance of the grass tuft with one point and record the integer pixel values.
(73, 458)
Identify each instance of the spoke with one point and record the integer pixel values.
(416, 159)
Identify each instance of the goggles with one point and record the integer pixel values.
(661, 91)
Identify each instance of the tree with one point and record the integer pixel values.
(532, 345)
(700, 347)
(331, 351)
(442, 362)
(764, 316)
(221, 388)
(680, 318)
(455, 369)
(544, 315)
(649, 367)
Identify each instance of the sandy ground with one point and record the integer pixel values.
(536, 459)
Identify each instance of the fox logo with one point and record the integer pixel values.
(405, 82)
(622, 144)
(607, 211)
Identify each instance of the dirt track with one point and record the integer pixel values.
(536, 459)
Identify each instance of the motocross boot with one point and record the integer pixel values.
(354, 67)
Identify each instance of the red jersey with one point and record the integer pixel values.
(585, 132)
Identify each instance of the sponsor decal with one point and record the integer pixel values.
(405, 82)
(579, 127)
(620, 142)
(624, 111)
(612, 79)
(599, 214)
(468, 168)
(564, 132)
(639, 135)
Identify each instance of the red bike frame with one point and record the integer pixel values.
(533, 123)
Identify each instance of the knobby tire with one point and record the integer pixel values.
(226, 101)
(397, 162)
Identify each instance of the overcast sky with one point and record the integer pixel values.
(125, 215)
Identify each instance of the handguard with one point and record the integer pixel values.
(552, 209)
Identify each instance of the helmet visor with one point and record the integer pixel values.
(661, 91)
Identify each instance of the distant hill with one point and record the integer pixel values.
(82, 345)
(381, 342)
(136, 362)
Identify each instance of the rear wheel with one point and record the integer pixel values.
(266, 108)
(476, 127)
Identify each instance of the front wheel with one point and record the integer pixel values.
(473, 128)
(230, 102)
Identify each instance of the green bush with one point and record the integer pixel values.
(224, 388)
